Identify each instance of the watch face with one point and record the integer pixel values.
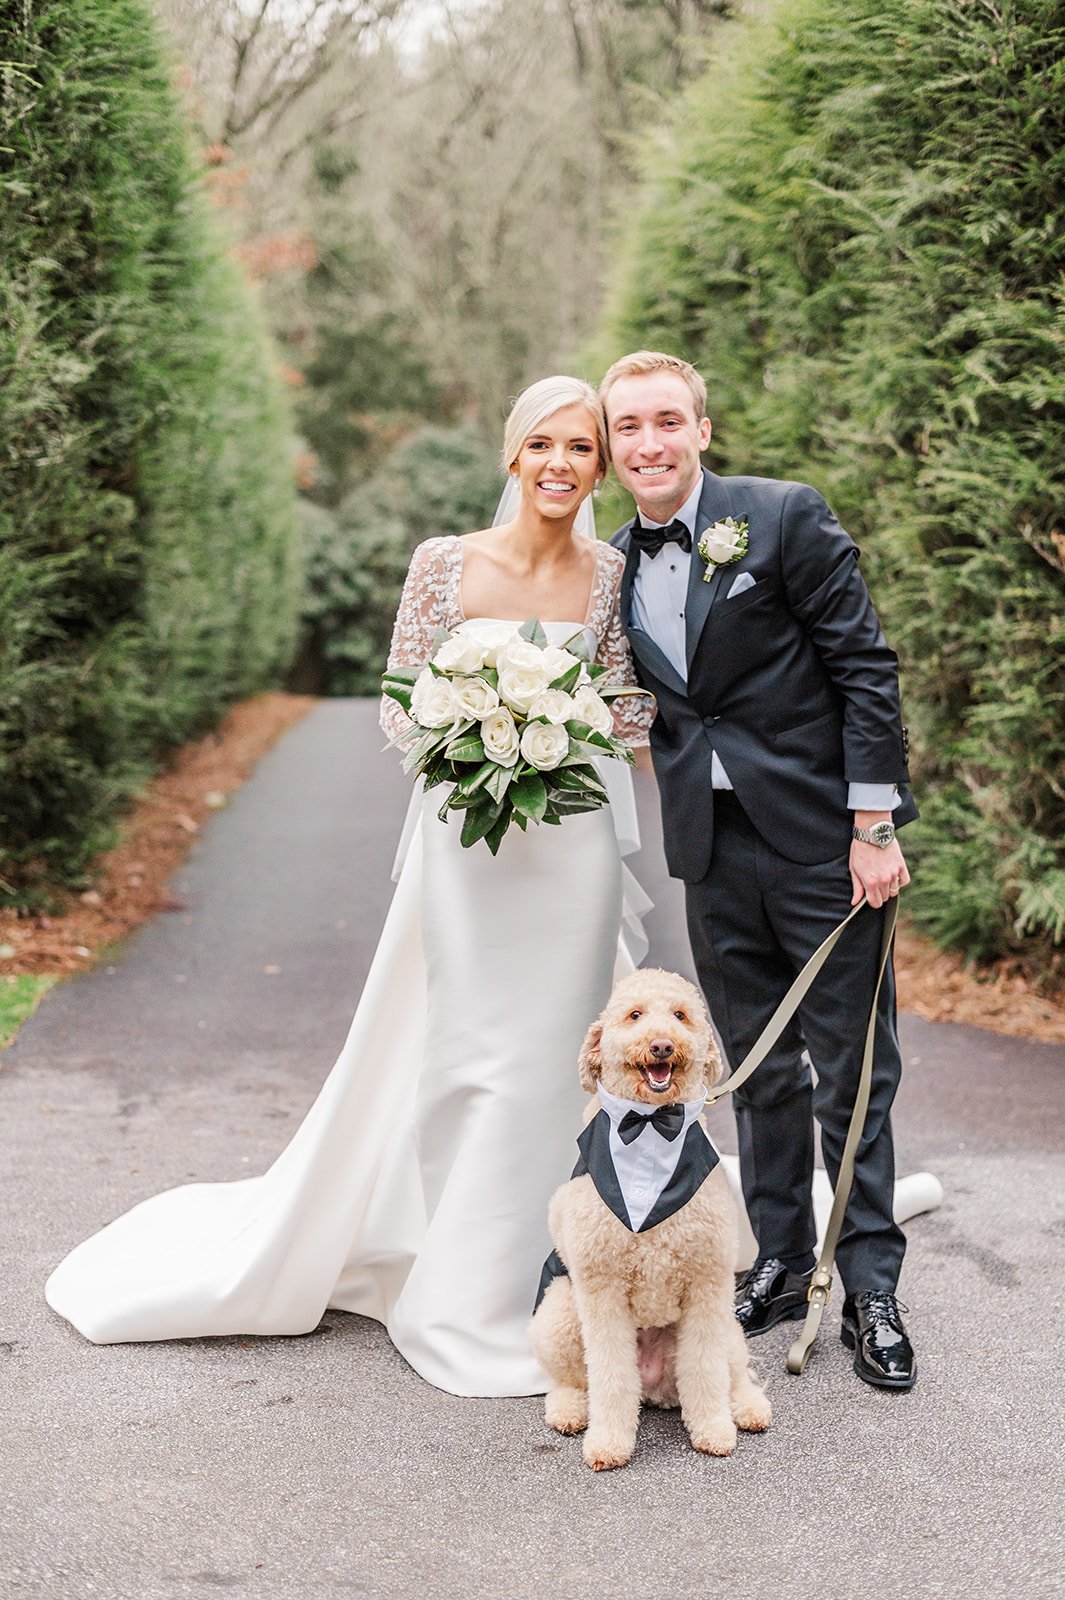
(882, 833)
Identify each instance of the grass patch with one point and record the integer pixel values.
(19, 999)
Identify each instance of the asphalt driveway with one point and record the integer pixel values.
(322, 1466)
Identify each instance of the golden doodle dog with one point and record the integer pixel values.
(638, 1303)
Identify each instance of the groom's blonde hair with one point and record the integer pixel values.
(540, 401)
(643, 362)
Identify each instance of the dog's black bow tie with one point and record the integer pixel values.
(651, 540)
(667, 1120)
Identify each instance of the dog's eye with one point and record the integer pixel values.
(634, 1016)
(680, 1016)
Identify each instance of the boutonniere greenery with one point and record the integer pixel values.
(722, 543)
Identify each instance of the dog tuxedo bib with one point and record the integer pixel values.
(646, 1163)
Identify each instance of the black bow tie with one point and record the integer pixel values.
(667, 1120)
(651, 540)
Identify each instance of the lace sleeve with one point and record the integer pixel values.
(426, 606)
(633, 714)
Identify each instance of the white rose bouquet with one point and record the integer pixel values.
(513, 722)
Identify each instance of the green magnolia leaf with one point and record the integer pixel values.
(479, 819)
(577, 780)
(529, 796)
(535, 634)
(473, 781)
(425, 746)
(572, 805)
(398, 692)
(499, 781)
(582, 647)
(582, 748)
(494, 837)
(568, 680)
(402, 675)
(468, 747)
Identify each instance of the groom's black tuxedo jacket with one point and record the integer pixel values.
(791, 681)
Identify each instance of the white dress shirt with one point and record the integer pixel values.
(645, 1166)
(659, 597)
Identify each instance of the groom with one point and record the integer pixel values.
(781, 760)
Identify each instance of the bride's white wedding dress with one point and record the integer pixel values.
(416, 1189)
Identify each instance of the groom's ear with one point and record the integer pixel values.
(590, 1060)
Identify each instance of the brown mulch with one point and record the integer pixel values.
(130, 887)
(940, 987)
(130, 881)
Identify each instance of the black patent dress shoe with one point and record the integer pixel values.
(768, 1293)
(873, 1329)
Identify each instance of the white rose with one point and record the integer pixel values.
(461, 653)
(553, 704)
(432, 700)
(721, 543)
(592, 710)
(474, 697)
(558, 662)
(499, 736)
(544, 745)
(519, 686)
(518, 652)
(492, 637)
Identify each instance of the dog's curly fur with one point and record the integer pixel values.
(646, 1317)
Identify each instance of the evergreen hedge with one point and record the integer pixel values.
(856, 228)
(149, 557)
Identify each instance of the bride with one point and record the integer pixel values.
(415, 1191)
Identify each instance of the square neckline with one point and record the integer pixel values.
(565, 622)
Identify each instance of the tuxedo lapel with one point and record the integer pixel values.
(628, 576)
(595, 1158)
(713, 506)
(643, 646)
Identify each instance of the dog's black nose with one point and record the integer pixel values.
(661, 1049)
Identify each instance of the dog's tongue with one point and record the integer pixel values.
(658, 1077)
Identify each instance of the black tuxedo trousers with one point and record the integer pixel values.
(754, 921)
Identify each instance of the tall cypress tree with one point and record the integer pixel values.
(857, 229)
(149, 567)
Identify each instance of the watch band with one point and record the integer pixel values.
(880, 834)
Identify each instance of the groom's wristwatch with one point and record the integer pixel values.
(880, 834)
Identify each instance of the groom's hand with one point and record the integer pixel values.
(877, 874)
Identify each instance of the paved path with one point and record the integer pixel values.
(322, 1466)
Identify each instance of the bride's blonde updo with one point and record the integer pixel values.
(540, 401)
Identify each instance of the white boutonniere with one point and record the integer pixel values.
(722, 543)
